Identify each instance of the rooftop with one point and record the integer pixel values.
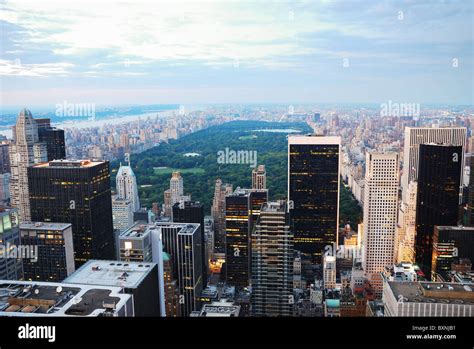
(433, 292)
(111, 273)
(45, 226)
(69, 163)
(24, 298)
(220, 309)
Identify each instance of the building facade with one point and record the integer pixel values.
(313, 192)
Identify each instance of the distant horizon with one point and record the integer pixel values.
(49, 107)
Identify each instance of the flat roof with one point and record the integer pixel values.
(433, 292)
(314, 139)
(69, 163)
(220, 309)
(140, 230)
(26, 298)
(45, 226)
(111, 273)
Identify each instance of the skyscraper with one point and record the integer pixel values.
(259, 178)
(174, 194)
(53, 138)
(242, 211)
(193, 212)
(438, 197)
(76, 192)
(218, 214)
(272, 262)
(126, 186)
(380, 215)
(25, 150)
(414, 136)
(53, 241)
(313, 191)
(182, 241)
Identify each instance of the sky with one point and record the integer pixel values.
(146, 52)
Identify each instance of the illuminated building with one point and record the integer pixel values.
(193, 212)
(313, 189)
(76, 192)
(242, 212)
(55, 260)
(449, 245)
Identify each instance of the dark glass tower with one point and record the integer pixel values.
(313, 189)
(53, 138)
(449, 245)
(76, 192)
(438, 196)
(193, 212)
(242, 211)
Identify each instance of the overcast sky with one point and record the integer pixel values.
(146, 52)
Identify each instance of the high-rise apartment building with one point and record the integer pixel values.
(272, 262)
(76, 192)
(380, 215)
(313, 192)
(438, 196)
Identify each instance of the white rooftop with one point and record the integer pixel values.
(110, 273)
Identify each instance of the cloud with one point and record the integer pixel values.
(16, 68)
